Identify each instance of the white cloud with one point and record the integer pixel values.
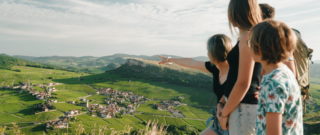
(143, 24)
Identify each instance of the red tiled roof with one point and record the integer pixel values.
(161, 106)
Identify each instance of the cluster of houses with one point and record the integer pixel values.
(104, 111)
(26, 87)
(167, 105)
(108, 111)
(73, 112)
(121, 96)
(127, 100)
(23, 86)
(40, 95)
(62, 122)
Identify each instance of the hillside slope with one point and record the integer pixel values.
(172, 74)
(6, 62)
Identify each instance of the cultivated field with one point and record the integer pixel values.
(69, 95)
(196, 123)
(149, 108)
(16, 107)
(146, 118)
(64, 107)
(76, 87)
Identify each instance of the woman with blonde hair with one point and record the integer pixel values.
(218, 47)
(239, 112)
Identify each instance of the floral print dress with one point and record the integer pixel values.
(280, 93)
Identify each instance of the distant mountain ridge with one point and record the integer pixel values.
(153, 57)
(94, 64)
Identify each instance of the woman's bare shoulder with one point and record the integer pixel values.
(244, 37)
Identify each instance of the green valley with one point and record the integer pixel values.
(20, 101)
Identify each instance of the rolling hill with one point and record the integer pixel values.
(92, 64)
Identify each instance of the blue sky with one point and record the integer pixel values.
(140, 27)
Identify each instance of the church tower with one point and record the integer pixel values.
(87, 105)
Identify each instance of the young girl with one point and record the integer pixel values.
(218, 47)
(244, 74)
(280, 106)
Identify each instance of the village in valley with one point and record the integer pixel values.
(117, 103)
(57, 101)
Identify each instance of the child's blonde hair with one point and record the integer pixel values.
(274, 40)
(219, 46)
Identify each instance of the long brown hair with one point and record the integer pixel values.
(244, 14)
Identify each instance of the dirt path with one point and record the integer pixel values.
(22, 104)
(84, 96)
(3, 82)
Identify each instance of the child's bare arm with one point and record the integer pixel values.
(274, 123)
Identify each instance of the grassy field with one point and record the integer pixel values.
(132, 118)
(196, 123)
(175, 121)
(37, 75)
(314, 92)
(16, 107)
(96, 97)
(186, 112)
(69, 95)
(43, 116)
(36, 88)
(146, 118)
(76, 87)
(28, 117)
(64, 107)
(315, 80)
(8, 118)
(149, 108)
(111, 123)
(202, 113)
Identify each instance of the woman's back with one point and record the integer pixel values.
(233, 60)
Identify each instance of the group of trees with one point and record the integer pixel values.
(37, 107)
(50, 67)
(6, 62)
(41, 66)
